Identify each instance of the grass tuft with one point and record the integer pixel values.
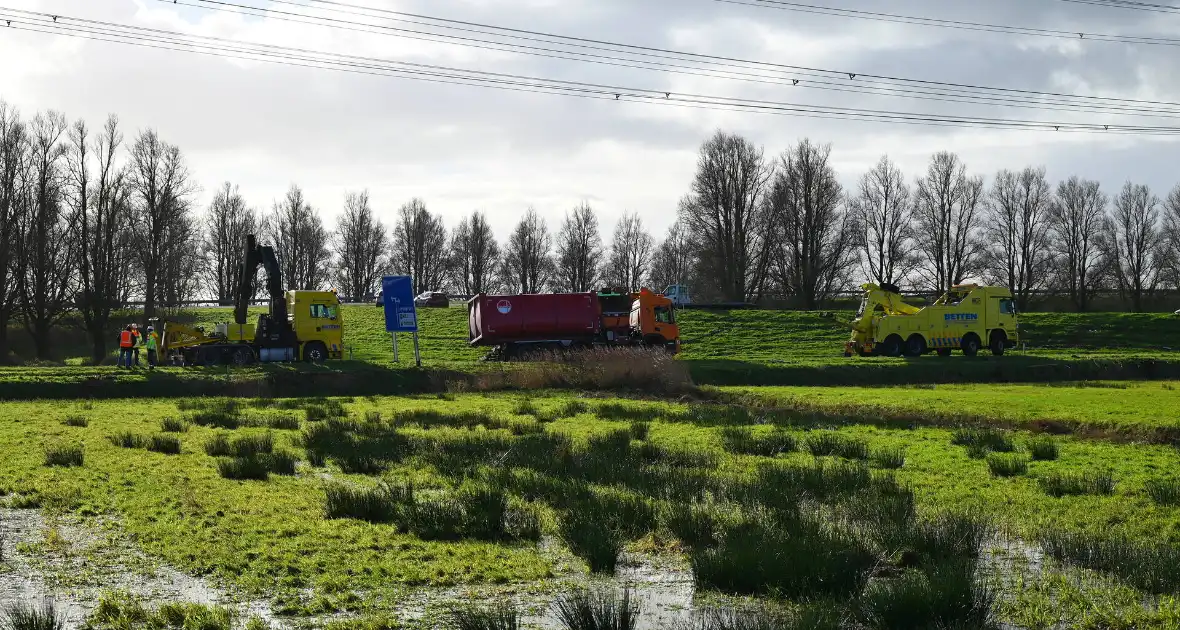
(65, 455)
(285, 422)
(76, 420)
(890, 458)
(573, 408)
(167, 444)
(989, 439)
(597, 610)
(382, 503)
(743, 441)
(1043, 449)
(282, 462)
(944, 596)
(23, 616)
(1007, 464)
(1150, 567)
(243, 468)
(173, 425)
(1058, 484)
(640, 429)
(503, 616)
(127, 439)
(823, 443)
(1164, 491)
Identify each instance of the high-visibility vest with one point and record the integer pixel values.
(151, 341)
(125, 339)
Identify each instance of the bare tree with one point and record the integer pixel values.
(162, 186)
(420, 246)
(227, 223)
(883, 214)
(100, 219)
(947, 208)
(579, 250)
(1017, 253)
(47, 285)
(301, 242)
(725, 216)
(631, 251)
(1172, 235)
(528, 263)
(474, 254)
(814, 244)
(674, 259)
(14, 201)
(182, 263)
(1075, 222)
(1133, 241)
(361, 245)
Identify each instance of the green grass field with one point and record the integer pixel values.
(684, 480)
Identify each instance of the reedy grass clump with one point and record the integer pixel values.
(640, 429)
(25, 616)
(379, 504)
(890, 458)
(284, 422)
(76, 420)
(1060, 484)
(242, 468)
(1007, 464)
(1164, 491)
(795, 556)
(167, 444)
(502, 616)
(1043, 449)
(598, 525)
(1151, 568)
(597, 610)
(623, 411)
(822, 443)
(173, 425)
(127, 439)
(573, 408)
(816, 616)
(282, 462)
(695, 525)
(946, 595)
(947, 536)
(242, 446)
(989, 439)
(743, 441)
(117, 611)
(64, 455)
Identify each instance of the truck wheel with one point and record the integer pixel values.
(970, 344)
(243, 356)
(915, 346)
(211, 357)
(999, 341)
(891, 347)
(315, 352)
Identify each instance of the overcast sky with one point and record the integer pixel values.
(265, 126)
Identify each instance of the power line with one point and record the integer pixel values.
(156, 38)
(602, 45)
(962, 25)
(1128, 4)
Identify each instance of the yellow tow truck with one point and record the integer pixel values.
(964, 318)
(299, 325)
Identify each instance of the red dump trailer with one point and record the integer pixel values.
(563, 320)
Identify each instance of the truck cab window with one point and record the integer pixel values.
(1007, 307)
(663, 315)
(319, 311)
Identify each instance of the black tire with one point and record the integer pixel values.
(211, 358)
(915, 346)
(944, 352)
(892, 345)
(970, 344)
(315, 352)
(243, 356)
(998, 342)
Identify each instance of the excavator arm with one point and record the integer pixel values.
(274, 328)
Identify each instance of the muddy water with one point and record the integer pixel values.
(72, 563)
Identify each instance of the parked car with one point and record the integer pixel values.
(432, 299)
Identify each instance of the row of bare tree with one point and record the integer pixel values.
(90, 221)
(753, 226)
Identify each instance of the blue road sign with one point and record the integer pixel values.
(398, 294)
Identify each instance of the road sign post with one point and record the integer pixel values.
(397, 293)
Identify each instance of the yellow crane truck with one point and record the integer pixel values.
(299, 325)
(965, 318)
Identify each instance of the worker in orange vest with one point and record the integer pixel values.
(126, 343)
(137, 342)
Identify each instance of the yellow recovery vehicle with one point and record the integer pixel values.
(962, 319)
(300, 325)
